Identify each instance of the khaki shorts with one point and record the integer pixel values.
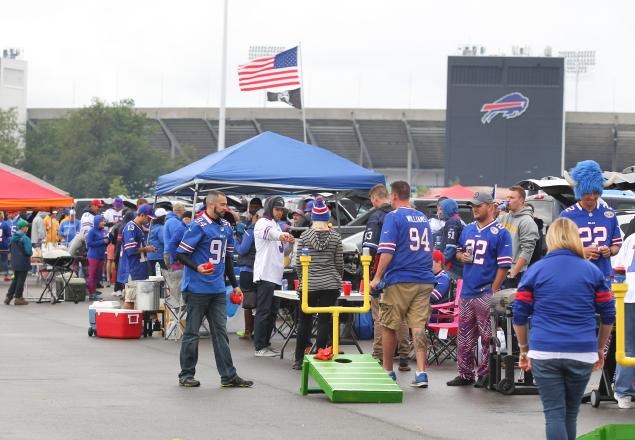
(409, 300)
(130, 291)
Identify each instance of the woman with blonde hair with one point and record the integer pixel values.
(561, 294)
(325, 277)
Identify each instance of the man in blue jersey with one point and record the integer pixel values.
(405, 264)
(206, 251)
(133, 261)
(450, 235)
(485, 249)
(597, 223)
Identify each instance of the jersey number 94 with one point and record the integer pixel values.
(417, 242)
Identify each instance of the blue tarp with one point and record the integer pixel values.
(269, 164)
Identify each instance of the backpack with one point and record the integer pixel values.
(541, 246)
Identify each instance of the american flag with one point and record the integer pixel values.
(279, 70)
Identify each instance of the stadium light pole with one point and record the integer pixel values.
(577, 62)
(223, 83)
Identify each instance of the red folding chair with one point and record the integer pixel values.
(443, 329)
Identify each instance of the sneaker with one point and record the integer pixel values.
(459, 381)
(277, 352)
(392, 375)
(240, 333)
(7, 300)
(421, 380)
(238, 382)
(297, 365)
(189, 382)
(403, 364)
(481, 382)
(21, 302)
(624, 402)
(266, 352)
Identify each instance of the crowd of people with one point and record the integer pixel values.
(418, 262)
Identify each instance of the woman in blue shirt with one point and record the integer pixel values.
(562, 294)
(155, 238)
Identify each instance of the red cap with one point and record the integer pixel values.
(437, 255)
(97, 202)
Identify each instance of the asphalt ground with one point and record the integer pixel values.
(58, 383)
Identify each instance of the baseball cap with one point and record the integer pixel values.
(278, 202)
(160, 212)
(298, 211)
(71, 212)
(308, 207)
(146, 210)
(178, 206)
(96, 202)
(21, 224)
(437, 255)
(481, 197)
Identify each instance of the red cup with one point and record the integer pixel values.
(347, 287)
(296, 284)
(361, 286)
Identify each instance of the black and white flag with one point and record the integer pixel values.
(289, 97)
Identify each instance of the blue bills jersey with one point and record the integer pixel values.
(491, 249)
(206, 240)
(407, 236)
(597, 227)
(132, 263)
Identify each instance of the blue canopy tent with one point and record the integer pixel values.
(269, 164)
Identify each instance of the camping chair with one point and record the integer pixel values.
(174, 305)
(443, 329)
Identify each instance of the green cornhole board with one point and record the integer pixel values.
(350, 378)
(611, 432)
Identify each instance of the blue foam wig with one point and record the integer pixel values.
(448, 208)
(588, 177)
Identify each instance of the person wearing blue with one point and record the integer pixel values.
(5, 240)
(133, 262)
(21, 251)
(171, 239)
(246, 249)
(625, 376)
(156, 239)
(450, 234)
(405, 266)
(597, 223)
(441, 291)
(485, 249)
(69, 228)
(96, 241)
(561, 294)
(206, 251)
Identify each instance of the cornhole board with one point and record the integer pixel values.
(350, 378)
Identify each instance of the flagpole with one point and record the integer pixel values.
(302, 92)
(223, 84)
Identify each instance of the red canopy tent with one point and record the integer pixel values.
(455, 192)
(20, 190)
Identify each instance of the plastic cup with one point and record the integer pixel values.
(296, 284)
(347, 288)
(361, 286)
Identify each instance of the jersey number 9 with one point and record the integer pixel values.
(216, 251)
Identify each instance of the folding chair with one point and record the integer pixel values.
(443, 329)
(174, 304)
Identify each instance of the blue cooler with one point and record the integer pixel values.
(92, 313)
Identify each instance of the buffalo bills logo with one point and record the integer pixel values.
(509, 106)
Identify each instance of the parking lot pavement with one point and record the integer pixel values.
(58, 383)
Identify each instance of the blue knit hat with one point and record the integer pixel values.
(320, 212)
(587, 177)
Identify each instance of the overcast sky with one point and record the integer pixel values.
(371, 54)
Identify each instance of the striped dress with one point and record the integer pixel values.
(327, 262)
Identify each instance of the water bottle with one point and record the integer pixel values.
(500, 335)
(305, 252)
(157, 268)
(285, 284)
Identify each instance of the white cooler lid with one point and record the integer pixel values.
(105, 305)
(119, 311)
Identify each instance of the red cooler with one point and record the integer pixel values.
(119, 324)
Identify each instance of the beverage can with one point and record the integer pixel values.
(285, 285)
(469, 250)
(305, 252)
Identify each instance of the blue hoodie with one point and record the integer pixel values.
(172, 224)
(97, 240)
(155, 238)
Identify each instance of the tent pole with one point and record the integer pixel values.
(194, 201)
(337, 210)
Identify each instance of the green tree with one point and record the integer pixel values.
(117, 187)
(97, 149)
(11, 137)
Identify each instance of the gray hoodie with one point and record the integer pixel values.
(524, 232)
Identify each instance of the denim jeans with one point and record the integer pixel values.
(266, 313)
(561, 384)
(625, 380)
(16, 288)
(214, 308)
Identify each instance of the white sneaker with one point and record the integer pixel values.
(624, 402)
(265, 352)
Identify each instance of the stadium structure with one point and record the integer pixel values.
(378, 139)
